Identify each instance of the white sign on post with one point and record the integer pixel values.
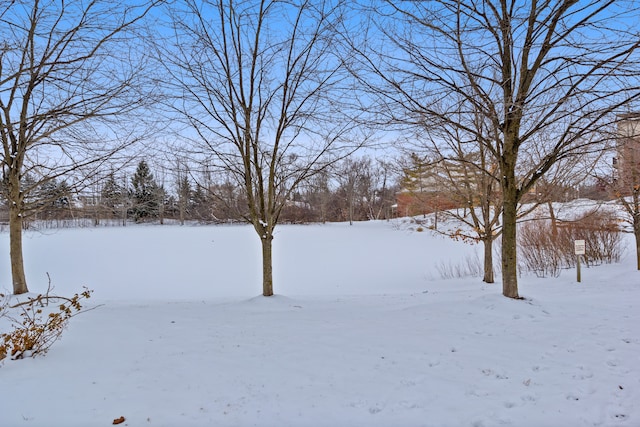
(580, 247)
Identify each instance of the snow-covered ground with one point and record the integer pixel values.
(363, 331)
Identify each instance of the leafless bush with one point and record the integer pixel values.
(539, 251)
(470, 267)
(38, 322)
(546, 250)
(602, 235)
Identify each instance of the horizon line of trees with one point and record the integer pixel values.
(353, 190)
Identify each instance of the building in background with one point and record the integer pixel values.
(627, 161)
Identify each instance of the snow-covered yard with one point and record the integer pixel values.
(363, 331)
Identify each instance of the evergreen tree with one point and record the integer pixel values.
(51, 199)
(145, 193)
(112, 195)
(184, 191)
(200, 206)
(49, 194)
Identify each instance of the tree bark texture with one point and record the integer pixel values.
(636, 232)
(488, 260)
(267, 265)
(510, 201)
(509, 245)
(15, 251)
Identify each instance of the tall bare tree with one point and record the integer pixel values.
(318, 194)
(380, 189)
(183, 189)
(67, 70)
(546, 76)
(469, 175)
(259, 84)
(352, 176)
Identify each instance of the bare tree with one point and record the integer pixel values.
(380, 189)
(546, 76)
(352, 176)
(183, 189)
(469, 175)
(318, 195)
(258, 83)
(67, 69)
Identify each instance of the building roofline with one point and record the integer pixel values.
(628, 116)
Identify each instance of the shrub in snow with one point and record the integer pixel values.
(35, 324)
(546, 249)
(471, 267)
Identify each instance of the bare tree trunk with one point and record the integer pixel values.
(15, 250)
(509, 223)
(554, 221)
(323, 212)
(96, 218)
(267, 265)
(97, 203)
(182, 213)
(488, 260)
(636, 232)
(350, 211)
(125, 200)
(509, 243)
